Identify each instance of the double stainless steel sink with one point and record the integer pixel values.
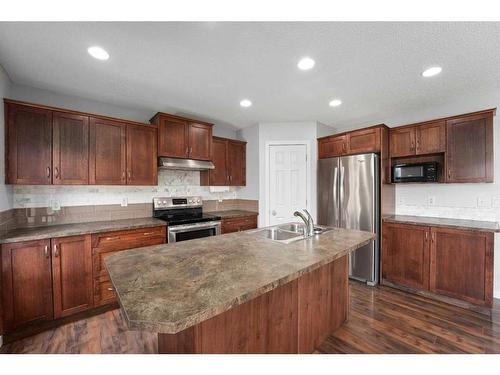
(289, 232)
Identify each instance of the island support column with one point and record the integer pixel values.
(293, 318)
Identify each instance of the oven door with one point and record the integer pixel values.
(177, 233)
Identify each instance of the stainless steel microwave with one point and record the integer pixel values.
(415, 172)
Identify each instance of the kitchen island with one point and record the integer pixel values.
(237, 293)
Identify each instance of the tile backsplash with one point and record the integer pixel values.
(170, 183)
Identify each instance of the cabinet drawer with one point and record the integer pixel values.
(104, 292)
(238, 224)
(128, 239)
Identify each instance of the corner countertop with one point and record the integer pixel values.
(485, 226)
(168, 288)
(64, 230)
(231, 214)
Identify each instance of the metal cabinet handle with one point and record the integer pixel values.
(46, 251)
(56, 172)
(48, 172)
(112, 238)
(111, 289)
(56, 251)
(129, 173)
(148, 233)
(123, 175)
(433, 236)
(187, 151)
(190, 150)
(449, 173)
(426, 235)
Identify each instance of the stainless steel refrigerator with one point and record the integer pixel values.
(348, 197)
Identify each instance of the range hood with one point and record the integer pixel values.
(185, 164)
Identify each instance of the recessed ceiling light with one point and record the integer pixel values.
(306, 63)
(245, 103)
(98, 53)
(435, 70)
(335, 103)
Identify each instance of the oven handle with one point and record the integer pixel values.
(191, 227)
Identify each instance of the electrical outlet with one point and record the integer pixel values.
(55, 205)
(495, 202)
(431, 200)
(124, 202)
(483, 202)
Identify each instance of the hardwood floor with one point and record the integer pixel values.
(382, 320)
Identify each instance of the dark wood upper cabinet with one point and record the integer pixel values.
(332, 146)
(70, 149)
(236, 163)
(108, 157)
(29, 145)
(229, 158)
(142, 155)
(461, 264)
(218, 176)
(180, 137)
(72, 275)
(200, 141)
(26, 281)
(402, 141)
(431, 138)
(469, 153)
(405, 255)
(365, 140)
(173, 137)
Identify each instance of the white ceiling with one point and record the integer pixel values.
(206, 68)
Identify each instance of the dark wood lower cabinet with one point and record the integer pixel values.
(26, 284)
(72, 275)
(454, 265)
(238, 224)
(462, 265)
(293, 318)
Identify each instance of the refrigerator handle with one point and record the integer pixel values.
(341, 196)
(335, 196)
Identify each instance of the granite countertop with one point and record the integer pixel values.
(230, 214)
(64, 230)
(168, 288)
(488, 226)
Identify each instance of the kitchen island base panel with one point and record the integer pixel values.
(293, 318)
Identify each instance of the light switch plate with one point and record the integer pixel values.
(124, 202)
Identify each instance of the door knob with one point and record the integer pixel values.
(273, 212)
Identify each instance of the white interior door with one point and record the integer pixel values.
(287, 182)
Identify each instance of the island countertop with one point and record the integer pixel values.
(168, 288)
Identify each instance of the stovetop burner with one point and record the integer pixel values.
(180, 211)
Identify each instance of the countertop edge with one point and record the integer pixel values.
(458, 225)
(176, 327)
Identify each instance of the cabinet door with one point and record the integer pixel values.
(219, 175)
(29, 145)
(200, 141)
(72, 275)
(462, 264)
(405, 255)
(402, 142)
(361, 141)
(172, 138)
(238, 224)
(431, 138)
(26, 283)
(332, 146)
(236, 155)
(108, 161)
(470, 149)
(70, 149)
(141, 155)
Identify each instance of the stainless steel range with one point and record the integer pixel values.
(185, 218)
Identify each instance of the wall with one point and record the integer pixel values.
(5, 190)
(289, 131)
